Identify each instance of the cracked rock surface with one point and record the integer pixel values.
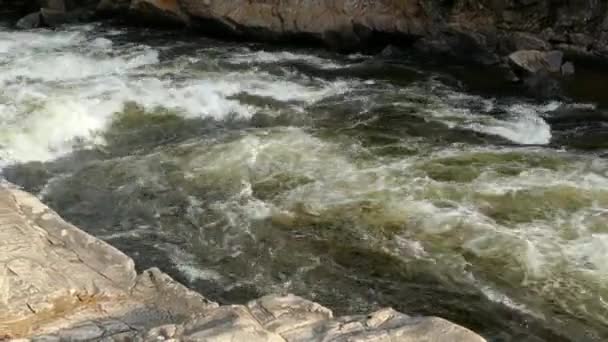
(58, 283)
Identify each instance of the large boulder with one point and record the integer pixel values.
(58, 283)
(540, 71)
(534, 61)
(341, 24)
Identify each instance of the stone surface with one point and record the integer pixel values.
(568, 69)
(527, 41)
(30, 21)
(58, 283)
(160, 11)
(54, 18)
(53, 275)
(474, 30)
(533, 61)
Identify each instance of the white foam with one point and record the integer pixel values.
(268, 57)
(525, 127)
(63, 87)
(14, 43)
(523, 123)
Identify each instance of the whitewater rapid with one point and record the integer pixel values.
(309, 164)
(61, 89)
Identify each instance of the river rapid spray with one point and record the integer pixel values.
(356, 182)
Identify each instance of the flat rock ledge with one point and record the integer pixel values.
(58, 283)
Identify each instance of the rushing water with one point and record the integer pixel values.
(356, 181)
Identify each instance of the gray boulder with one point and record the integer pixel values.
(534, 61)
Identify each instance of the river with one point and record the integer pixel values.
(357, 181)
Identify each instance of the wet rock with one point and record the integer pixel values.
(159, 11)
(462, 45)
(540, 71)
(30, 21)
(113, 7)
(533, 61)
(542, 85)
(568, 69)
(392, 52)
(54, 18)
(553, 60)
(527, 41)
(340, 24)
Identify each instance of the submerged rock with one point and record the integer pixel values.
(58, 283)
(568, 69)
(30, 21)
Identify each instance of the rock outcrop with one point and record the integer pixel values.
(477, 30)
(481, 32)
(57, 283)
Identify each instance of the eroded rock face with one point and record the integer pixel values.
(57, 283)
(485, 27)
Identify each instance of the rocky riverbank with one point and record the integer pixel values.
(481, 31)
(490, 33)
(57, 283)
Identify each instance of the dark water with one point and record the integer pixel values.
(357, 181)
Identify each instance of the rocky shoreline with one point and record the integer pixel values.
(507, 35)
(57, 283)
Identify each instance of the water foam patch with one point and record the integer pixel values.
(272, 57)
(522, 123)
(61, 89)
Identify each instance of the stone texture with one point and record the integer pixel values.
(568, 69)
(527, 41)
(533, 61)
(160, 11)
(53, 275)
(58, 283)
(30, 21)
(477, 30)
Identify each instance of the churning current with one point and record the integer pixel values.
(357, 181)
